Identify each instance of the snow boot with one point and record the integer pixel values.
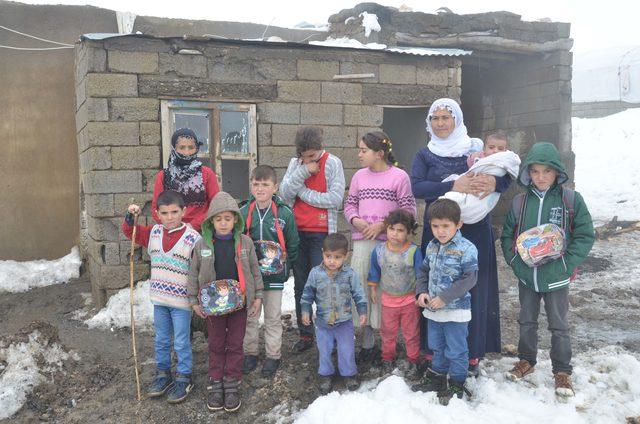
(457, 389)
(564, 388)
(160, 384)
(521, 369)
(431, 382)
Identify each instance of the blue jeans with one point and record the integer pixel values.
(309, 256)
(172, 322)
(340, 334)
(448, 341)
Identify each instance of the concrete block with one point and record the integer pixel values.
(233, 69)
(397, 74)
(433, 76)
(264, 134)
(98, 294)
(93, 109)
(341, 92)
(92, 60)
(111, 85)
(366, 116)
(317, 70)
(102, 229)
(149, 179)
(275, 156)
(404, 95)
(83, 140)
(95, 158)
(105, 253)
(125, 252)
(99, 205)
(279, 113)
(363, 130)
(360, 68)
(133, 62)
(117, 276)
(97, 182)
(349, 157)
(113, 133)
(283, 135)
(340, 136)
(134, 109)
(155, 86)
(139, 157)
(299, 91)
(123, 200)
(183, 65)
(321, 114)
(150, 134)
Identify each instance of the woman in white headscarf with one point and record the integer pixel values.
(446, 154)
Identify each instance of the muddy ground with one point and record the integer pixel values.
(605, 303)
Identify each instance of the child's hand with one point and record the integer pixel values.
(436, 303)
(423, 299)
(134, 209)
(313, 167)
(359, 224)
(363, 320)
(374, 294)
(372, 231)
(305, 319)
(198, 311)
(255, 307)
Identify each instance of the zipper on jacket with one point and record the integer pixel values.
(535, 269)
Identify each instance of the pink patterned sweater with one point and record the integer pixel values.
(372, 195)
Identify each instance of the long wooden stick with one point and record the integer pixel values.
(131, 295)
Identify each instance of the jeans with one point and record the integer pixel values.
(172, 322)
(309, 256)
(448, 341)
(341, 335)
(556, 305)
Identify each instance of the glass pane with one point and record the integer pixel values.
(234, 132)
(235, 177)
(199, 121)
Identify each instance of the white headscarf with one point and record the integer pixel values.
(458, 142)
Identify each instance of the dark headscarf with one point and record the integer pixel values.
(184, 173)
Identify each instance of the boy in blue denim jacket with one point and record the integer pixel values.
(333, 285)
(449, 271)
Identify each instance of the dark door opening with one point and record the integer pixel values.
(406, 127)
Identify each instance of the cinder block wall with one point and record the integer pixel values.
(119, 83)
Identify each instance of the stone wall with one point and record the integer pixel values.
(600, 109)
(119, 82)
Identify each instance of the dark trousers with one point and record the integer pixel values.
(226, 335)
(309, 255)
(556, 305)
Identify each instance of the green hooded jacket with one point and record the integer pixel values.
(542, 209)
(267, 231)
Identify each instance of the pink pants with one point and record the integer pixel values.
(408, 319)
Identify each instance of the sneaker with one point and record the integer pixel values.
(325, 384)
(457, 389)
(215, 401)
(305, 343)
(351, 383)
(564, 387)
(387, 368)
(232, 400)
(180, 389)
(270, 367)
(431, 382)
(249, 363)
(521, 369)
(160, 384)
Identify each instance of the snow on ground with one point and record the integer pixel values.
(20, 372)
(607, 172)
(607, 385)
(16, 277)
(117, 313)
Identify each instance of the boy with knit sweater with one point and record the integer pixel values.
(314, 185)
(170, 246)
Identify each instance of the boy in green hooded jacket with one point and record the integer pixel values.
(545, 201)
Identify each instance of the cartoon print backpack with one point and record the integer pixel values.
(271, 255)
(222, 297)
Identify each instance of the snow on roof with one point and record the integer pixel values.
(370, 23)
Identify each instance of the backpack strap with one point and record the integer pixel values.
(274, 211)
(518, 206)
(568, 199)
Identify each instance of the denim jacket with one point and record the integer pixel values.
(333, 295)
(444, 264)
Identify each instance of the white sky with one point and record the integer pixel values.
(594, 25)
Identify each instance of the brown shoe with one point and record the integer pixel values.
(564, 387)
(232, 400)
(216, 395)
(519, 370)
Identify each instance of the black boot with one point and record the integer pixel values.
(249, 363)
(431, 382)
(216, 395)
(457, 389)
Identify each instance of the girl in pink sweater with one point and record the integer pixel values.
(375, 190)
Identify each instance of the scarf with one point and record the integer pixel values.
(184, 173)
(458, 142)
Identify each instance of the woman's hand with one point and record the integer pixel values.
(483, 185)
(372, 231)
(359, 224)
(462, 184)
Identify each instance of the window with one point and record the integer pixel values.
(228, 133)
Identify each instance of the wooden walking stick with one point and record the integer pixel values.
(131, 294)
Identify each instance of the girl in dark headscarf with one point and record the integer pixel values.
(186, 174)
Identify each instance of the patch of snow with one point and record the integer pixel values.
(16, 277)
(607, 385)
(370, 23)
(607, 173)
(22, 373)
(117, 313)
(349, 19)
(344, 42)
(348, 42)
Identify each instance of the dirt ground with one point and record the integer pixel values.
(605, 303)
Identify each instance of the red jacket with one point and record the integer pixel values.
(195, 214)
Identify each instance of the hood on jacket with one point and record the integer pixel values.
(543, 153)
(221, 202)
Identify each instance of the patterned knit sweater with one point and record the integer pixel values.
(169, 270)
(372, 195)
